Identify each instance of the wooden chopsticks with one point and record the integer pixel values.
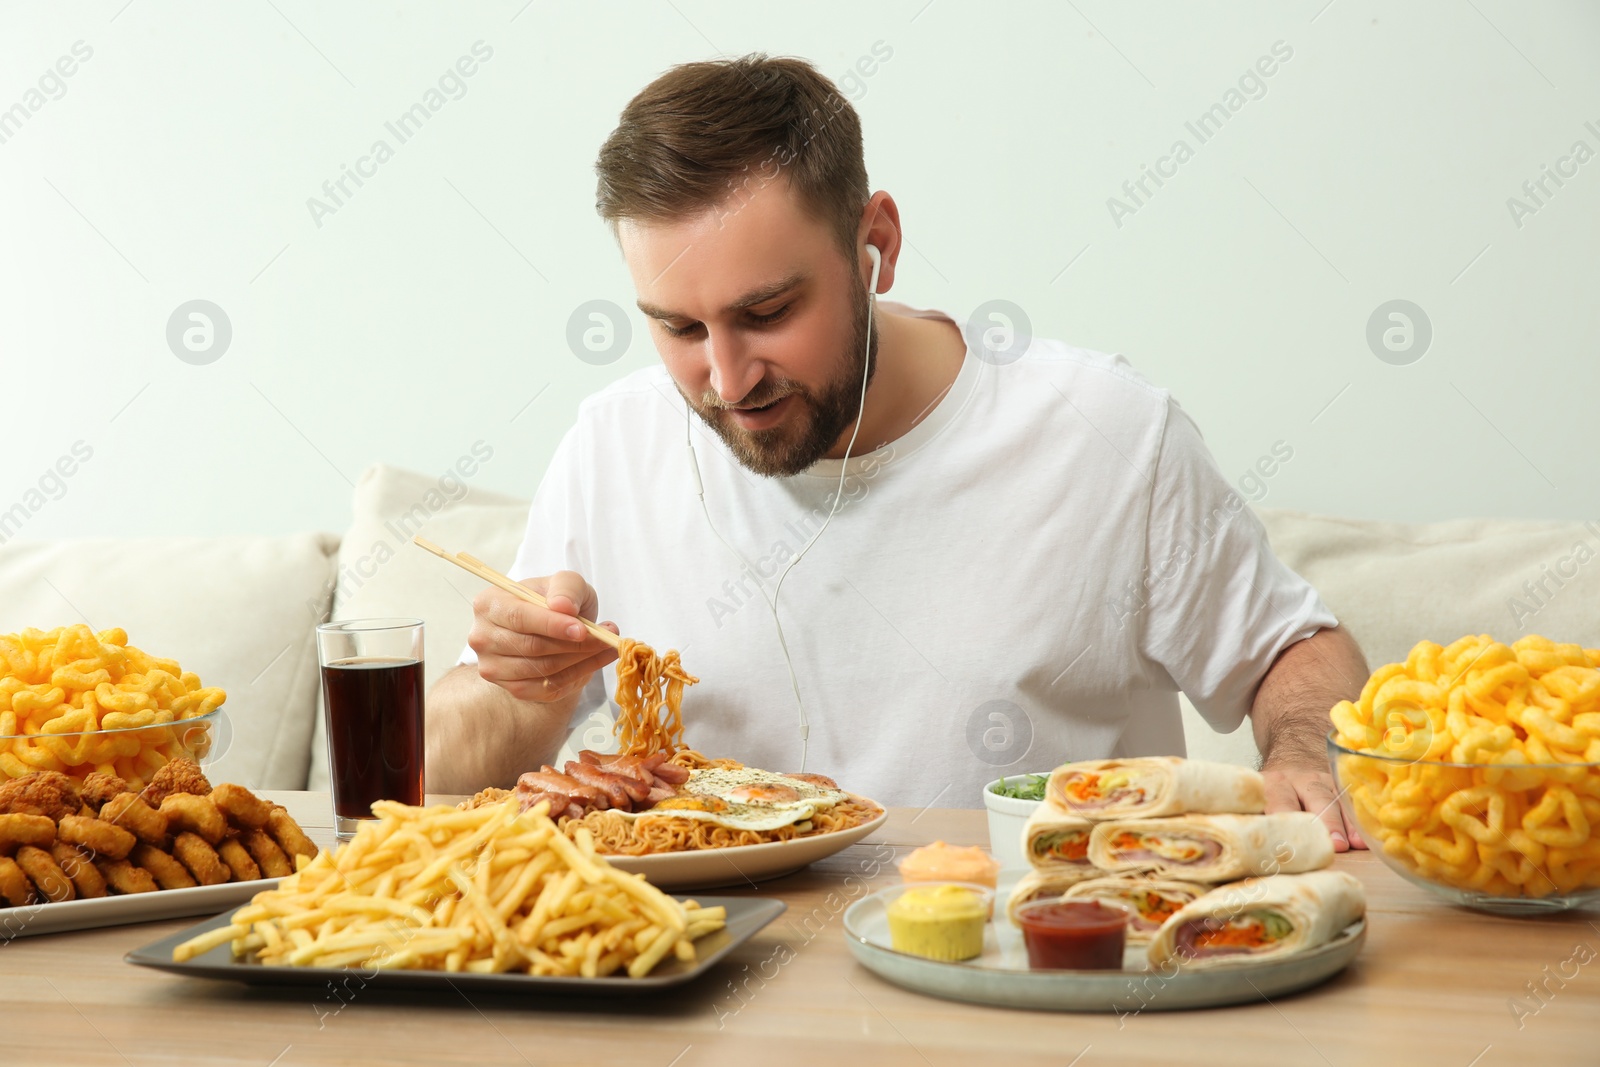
(495, 578)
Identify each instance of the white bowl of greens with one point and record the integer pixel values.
(1010, 800)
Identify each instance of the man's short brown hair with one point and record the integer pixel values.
(716, 132)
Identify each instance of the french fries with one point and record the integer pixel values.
(61, 685)
(1521, 820)
(482, 891)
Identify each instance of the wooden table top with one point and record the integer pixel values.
(1435, 984)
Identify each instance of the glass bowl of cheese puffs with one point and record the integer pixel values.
(77, 701)
(132, 753)
(1473, 769)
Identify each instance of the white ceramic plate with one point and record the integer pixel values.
(1001, 976)
(744, 865)
(122, 910)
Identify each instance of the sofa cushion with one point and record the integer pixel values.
(383, 575)
(1394, 584)
(238, 611)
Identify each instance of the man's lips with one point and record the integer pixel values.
(761, 418)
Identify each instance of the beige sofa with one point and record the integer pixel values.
(240, 611)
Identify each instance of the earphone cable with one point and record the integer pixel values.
(838, 498)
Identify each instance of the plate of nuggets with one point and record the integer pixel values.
(75, 855)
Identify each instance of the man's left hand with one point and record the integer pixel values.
(1310, 787)
(1290, 719)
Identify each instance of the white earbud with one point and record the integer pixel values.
(877, 262)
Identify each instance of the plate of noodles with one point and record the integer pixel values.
(684, 820)
(743, 864)
(700, 823)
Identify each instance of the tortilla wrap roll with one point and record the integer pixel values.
(1153, 900)
(1056, 842)
(1259, 918)
(1043, 885)
(1155, 786)
(1214, 848)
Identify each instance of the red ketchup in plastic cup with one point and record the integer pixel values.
(1074, 935)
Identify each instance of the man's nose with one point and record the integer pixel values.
(733, 372)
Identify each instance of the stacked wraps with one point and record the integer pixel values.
(1259, 918)
(1056, 844)
(1158, 834)
(1214, 848)
(1154, 786)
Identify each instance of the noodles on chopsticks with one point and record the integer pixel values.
(648, 685)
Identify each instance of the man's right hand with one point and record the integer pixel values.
(539, 654)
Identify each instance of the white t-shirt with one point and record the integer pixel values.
(1026, 577)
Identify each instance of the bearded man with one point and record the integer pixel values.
(1028, 550)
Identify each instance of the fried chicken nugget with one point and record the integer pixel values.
(165, 869)
(99, 787)
(17, 829)
(129, 811)
(195, 853)
(195, 814)
(265, 851)
(237, 857)
(48, 793)
(40, 867)
(180, 776)
(289, 836)
(14, 885)
(101, 838)
(75, 865)
(243, 808)
(124, 877)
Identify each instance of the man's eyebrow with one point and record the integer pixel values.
(755, 296)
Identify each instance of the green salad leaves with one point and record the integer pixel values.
(1027, 787)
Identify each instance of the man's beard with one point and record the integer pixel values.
(793, 447)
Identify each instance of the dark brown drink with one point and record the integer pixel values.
(375, 743)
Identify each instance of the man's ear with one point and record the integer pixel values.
(880, 227)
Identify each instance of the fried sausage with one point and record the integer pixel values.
(550, 780)
(610, 785)
(670, 773)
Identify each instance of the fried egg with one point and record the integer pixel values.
(748, 799)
